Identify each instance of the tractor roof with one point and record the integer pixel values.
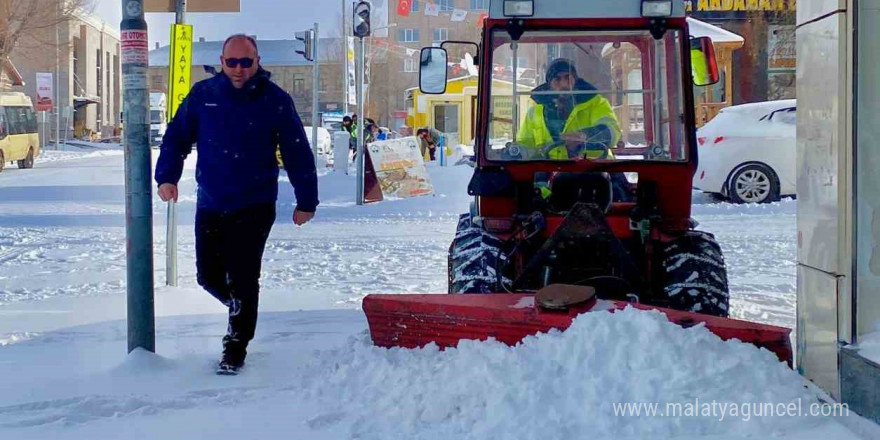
(585, 9)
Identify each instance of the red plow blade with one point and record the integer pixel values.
(412, 321)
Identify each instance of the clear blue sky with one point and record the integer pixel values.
(267, 19)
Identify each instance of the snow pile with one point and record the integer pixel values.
(555, 385)
(704, 205)
(869, 345)
(77, 151)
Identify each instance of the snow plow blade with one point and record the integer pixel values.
(412, 321)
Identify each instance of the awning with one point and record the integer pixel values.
(82, 101)
(12, 72)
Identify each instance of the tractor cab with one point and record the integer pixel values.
(583, 169)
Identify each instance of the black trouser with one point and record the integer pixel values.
(229, 254)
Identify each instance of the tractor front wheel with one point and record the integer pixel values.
(473, 257)
(695, 277)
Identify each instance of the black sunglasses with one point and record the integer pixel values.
(246, 63)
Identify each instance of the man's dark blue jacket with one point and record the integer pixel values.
(237, 131)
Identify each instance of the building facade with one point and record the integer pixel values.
(420, 28)
(764, 69)
(86, 62)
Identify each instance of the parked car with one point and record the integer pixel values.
(747, 153)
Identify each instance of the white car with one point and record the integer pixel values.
(748, 152)
(325, 142)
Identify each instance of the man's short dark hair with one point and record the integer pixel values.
(421, 130)
(346, 119)
(241, 36)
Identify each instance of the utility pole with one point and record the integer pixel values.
(57, 77)
(361, 29)
(138, 178)
(344, 63)
(360, 123)
(316, 82)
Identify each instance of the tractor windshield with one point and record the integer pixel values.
(596, 95)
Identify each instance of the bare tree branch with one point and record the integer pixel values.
(27, 20)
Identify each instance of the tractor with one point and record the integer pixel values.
(582, 179)
(585, 179)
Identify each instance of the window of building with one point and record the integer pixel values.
(441, 34)
(409, 65)
(446, 5)
(99, 80)
(116, 91)
(479, 5)
(408, 35)
(415, 6)
(299, 84)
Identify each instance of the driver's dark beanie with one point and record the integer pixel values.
(560, 65)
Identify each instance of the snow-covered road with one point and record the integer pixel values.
(62, 302)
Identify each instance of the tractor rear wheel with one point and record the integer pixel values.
(694, 274)
(473, 256)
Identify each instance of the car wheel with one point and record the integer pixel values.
(755, 183)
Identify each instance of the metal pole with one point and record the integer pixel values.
(171, 245)
(171, 217)
(58, 79)
(180, 10)
(315, 83)
(344, 63)
(360, 128)
(515, 46)
(138, 178)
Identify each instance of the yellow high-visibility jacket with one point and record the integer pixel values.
(699, 68)
(593, 112)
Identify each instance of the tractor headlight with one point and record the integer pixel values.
(519, 8)
(656, 8)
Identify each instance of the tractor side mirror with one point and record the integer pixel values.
(704, 66)
(432, 70)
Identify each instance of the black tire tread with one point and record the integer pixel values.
(695, 275)
(472, 259)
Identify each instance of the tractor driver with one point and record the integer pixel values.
(568, 125)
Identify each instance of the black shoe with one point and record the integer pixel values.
(227, 369)
(233, 356)
(230, 364)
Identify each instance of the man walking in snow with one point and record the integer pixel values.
(237, 118)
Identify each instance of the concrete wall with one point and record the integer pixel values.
(824, 189)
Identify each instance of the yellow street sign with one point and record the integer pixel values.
(179, 66)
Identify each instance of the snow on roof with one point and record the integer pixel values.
(272, 53)
(718, 35)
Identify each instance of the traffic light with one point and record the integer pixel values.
(361, 21)
(306, 38)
